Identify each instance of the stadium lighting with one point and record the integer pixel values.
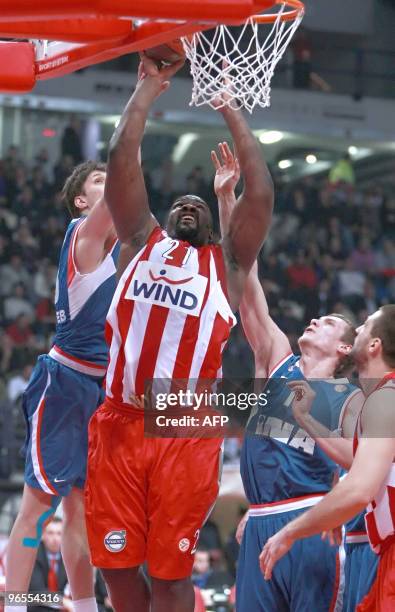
(284, 164)
(270, 137)
(182, 146)
(311, 159)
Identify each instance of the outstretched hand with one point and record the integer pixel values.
(334, 536)
(225, 100)
(227, 170)
(303, 399)
(158, 77)
(276, 547)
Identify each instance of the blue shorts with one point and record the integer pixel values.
(306, 579)
(360, 573)
(58, 404)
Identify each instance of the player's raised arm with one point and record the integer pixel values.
(83, 194)
(269, 344)
(125, 191)
(252, 213)
(96, 231)
(267, 341)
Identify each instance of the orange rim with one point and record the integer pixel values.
(296, 8)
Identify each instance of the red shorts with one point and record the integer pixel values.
(146, 498)
(381, 597)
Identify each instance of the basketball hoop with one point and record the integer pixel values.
(50, 39)
(234, 67)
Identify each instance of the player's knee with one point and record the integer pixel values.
(30, 517)
(117, 576)
(174, 587)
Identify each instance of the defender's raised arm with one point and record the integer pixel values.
(252, 213)
(267, 341)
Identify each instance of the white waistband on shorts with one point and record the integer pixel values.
(295, 503)
(76, 364)
(357, 538)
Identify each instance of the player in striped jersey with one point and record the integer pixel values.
(282, 468)
(371, 479)
(66, 388)
(147, 498)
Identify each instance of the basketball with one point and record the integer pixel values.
(168, 53)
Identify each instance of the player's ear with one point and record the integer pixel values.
(80, 201)
(375, 346)
(345, 349)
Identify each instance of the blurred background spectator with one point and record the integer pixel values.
(49, 574)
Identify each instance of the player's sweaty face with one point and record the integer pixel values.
(190, 219)
(325, 332)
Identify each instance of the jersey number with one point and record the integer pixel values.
(174, 245)
(282, 431)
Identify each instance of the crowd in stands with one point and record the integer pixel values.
(331, 248)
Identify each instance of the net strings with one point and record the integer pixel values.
(233, 66)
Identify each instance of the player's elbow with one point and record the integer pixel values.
(364, 498)
(123, 143)
(115, 147)
(258, 180)
(260, 191)
(363, 493)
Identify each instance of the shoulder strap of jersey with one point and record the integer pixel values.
(288, 360)
(218, 254)
(156, 235)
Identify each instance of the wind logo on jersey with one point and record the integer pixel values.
(164, 278)
(167, 286)
(115, 541)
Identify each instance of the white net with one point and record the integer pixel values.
(235, 65)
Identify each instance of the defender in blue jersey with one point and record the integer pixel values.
(66, 388)
(283, 469)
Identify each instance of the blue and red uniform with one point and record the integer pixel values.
(66, 385)
(284, 472)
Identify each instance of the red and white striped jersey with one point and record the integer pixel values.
(169, 318)
(380, 513)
